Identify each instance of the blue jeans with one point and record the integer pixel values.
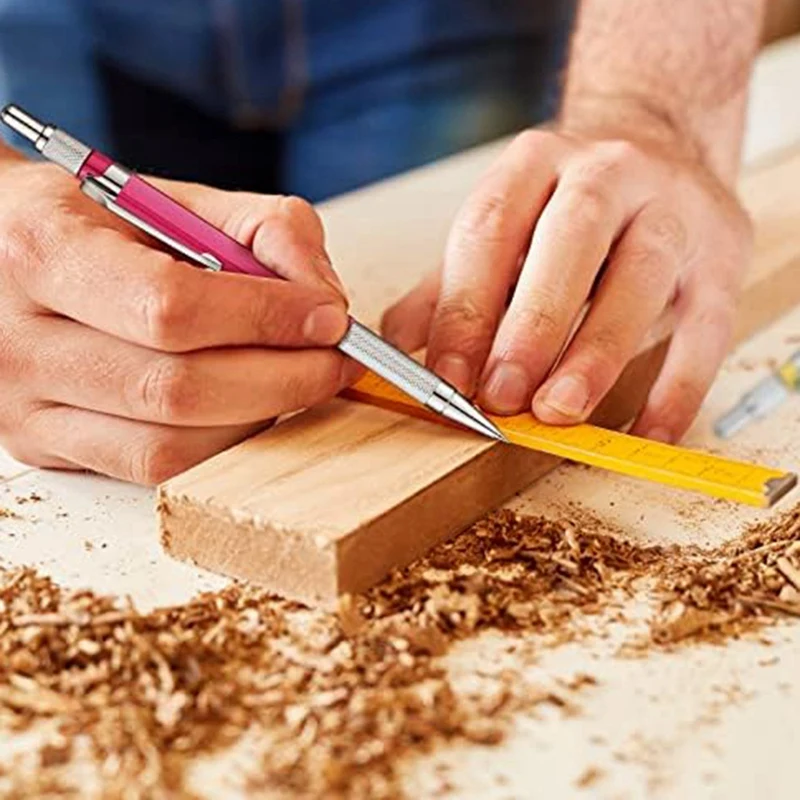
(311, 97)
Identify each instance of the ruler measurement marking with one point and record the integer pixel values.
(615, 451)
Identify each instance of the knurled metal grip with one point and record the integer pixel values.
(65, 151)
(390, 363)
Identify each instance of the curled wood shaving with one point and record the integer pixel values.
(727, 591)
(343, 698)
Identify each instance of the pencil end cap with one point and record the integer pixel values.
(22, 123)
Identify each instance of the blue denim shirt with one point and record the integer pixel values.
(425, 76)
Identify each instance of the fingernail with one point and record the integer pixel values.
(659, 434)
(508, 388)
(454, 368)
(325, 325)
(568, 396)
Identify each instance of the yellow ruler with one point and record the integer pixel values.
(614, 451)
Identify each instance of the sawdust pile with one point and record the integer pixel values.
(337, 701)
(713, 595)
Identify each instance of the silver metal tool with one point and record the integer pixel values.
(415, 380)
(140, 204)
(760, 401)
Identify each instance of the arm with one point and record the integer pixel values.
(673, 71)
(625, 202)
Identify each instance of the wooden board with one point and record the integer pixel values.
(330, 501)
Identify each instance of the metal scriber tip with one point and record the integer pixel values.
(460, 410)
(366, 347)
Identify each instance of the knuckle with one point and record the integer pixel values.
(266, 321)
(667, 233)
(31, 228)
(295, 207)
(16, 238)
(604, 163)
(305, 388)
(617, 154)
(589, 203)
(20, 246)
(464, 318)
(255, 211)
(609, 350)
(717, 314)
(483, 221)
(155, 459)
(541, 321)
(23, 451)
(166, 389)
(31, 421)
(166, 311)
(25, 435)
(649, 262)
(301, 214)
(9, 354)
(532, 139)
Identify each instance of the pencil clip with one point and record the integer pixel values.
(94, 190)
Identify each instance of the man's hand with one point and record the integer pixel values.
(558, 217)
(118, 358)
(627, 202)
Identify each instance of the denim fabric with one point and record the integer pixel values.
(356, 89)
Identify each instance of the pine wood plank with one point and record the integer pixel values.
(334, 498)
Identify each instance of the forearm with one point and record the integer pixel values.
(674, 72)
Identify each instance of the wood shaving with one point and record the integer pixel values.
(716, 594)
(590, 777)
(30, 498)
(342, 699)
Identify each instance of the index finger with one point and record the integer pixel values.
(283, 231)
(102, 278)
(483, 256)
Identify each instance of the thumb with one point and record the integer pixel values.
(285, 233)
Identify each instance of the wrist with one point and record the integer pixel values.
(633, 118)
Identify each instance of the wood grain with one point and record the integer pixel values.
(333, 499)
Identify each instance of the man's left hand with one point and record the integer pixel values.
(561, 219)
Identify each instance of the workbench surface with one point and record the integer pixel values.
(703, 721)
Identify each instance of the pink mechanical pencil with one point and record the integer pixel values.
(130, 197)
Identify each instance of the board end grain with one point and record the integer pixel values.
(294, 566)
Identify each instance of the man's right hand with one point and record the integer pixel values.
(117, 358)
